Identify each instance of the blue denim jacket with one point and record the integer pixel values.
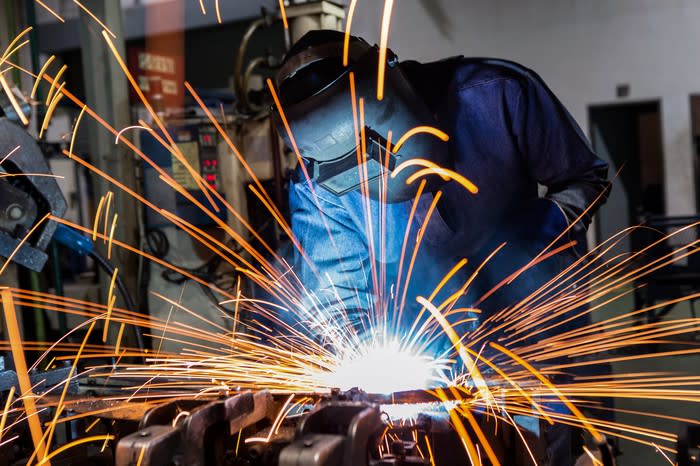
(508, 133)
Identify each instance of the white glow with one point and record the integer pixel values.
(409, 412)
(384, 368)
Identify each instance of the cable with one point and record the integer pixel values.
(128, 300)
(157, 242)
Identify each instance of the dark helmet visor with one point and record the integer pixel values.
(310, 80)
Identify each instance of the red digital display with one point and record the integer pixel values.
(210, 177)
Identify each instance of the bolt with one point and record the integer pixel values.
(308, 443)
(144, 433)
(15, 212)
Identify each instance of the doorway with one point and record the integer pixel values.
(628, 137)
(695, 128)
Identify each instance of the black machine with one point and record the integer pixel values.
(689, 447)
(27, 194)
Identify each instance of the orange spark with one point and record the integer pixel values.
(75, 129)
(348, 27)
(110, 304)
(13, 100)
(56, 15)
(119, 339)
(40, 76)
(218, 11)
(6, 411)
(420, 130)
(111, 236)
(584, 421)
(9, 154)
(55, 83)
(22, 241)
(108, 210)
(72, 444)
(283, 13)
(50, 110)
(11, 47)
(25, 385)
(383, 41)
(97, 20)
(470, 363)
(419, 240)
(98, 214)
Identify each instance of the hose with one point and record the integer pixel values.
(123, 291)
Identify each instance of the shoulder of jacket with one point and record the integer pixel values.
(472, 72)
(461, 72)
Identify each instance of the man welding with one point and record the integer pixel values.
(508, 134)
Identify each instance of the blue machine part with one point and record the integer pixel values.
(198, 143)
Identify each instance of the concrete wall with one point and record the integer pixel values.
(582, 49)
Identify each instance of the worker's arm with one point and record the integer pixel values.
(557, 155)
(336, 269)
(554, 152)
(333, 233)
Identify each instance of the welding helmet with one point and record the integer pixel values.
(315, 94)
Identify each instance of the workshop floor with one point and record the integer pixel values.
(634, 454)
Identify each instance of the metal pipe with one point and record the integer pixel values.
(34, 47)
(243, 99)
(58, 285)
(276, 164)
(240, 55)
(11, 19)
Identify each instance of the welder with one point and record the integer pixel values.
(536, 174)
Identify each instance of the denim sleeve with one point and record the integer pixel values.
(333, 232)
(335, 270)
(556, 151)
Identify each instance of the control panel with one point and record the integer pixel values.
(198, 146)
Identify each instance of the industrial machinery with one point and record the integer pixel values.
(251, 428)
(229, 427)
(28, 194)
(198, 144)
(260, 428)
(31, 201)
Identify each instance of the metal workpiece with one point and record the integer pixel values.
(194, 432)
(28, 193)
(248, 408)
(205, 432)
(41, 381)
(259, 428)
(314, 449)
(689, 446)
(349, 433)
(150, 446)
(336, 433)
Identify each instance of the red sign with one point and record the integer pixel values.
(159, 77)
